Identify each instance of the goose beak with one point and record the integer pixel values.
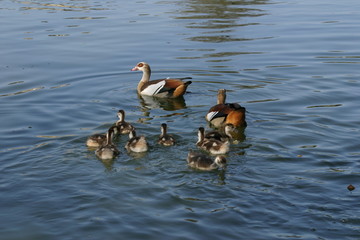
(135, 69)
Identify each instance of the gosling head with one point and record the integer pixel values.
(220, 161)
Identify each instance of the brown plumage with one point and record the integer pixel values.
(135, 143)
(96, 140)
(213, 146)
(224, 135)
(164, 138)
(223, 113)
(123, 126)
(203, 162)
(108, 150)
(164, 88)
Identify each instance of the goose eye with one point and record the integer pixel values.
(140, 65)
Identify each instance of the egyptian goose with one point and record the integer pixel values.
(108, 150)
(224, 113)
(164, 138)
(124, 127)
(222, 136)
(212, 145)
(164, 88)
(96, 140)
(136, 144)
(203, 162)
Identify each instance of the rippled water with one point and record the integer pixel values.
(65, 72)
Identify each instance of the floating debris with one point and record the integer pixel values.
(350, 187)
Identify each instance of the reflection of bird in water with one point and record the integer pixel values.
(123, 127)
(108, 150)
(224, 113)
(164, 138)
(211, 145)
(203, 162)
(135, 143)
(163, 88)
(168, 104)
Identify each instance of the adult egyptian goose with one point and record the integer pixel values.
(164, 138)
(203, 162)
(223, 113)
(164, 88)
(124, 127)
(213, 146)
(108, 150)
(135, 143)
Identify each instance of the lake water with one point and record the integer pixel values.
(65, 72)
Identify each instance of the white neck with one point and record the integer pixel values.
(146, 74)
(109, 137)
(132, 134)
(144, 79)
(200, 136)
(163, 131)
(121, 116)
(228, 132)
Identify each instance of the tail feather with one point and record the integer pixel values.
(180, 90)
(185, 78)
(187, 83)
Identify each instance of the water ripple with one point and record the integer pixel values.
(21, 92)
(291, 64)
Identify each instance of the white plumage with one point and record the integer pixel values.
(153, 89)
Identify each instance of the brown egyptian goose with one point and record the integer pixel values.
(99, 139)
(96, 140)
(124, 127)
(203, 162)
(222, 136)
(164, 138)
(135, 143)
(164, 88)
(213, 146)
(108, 150)
(224, 113)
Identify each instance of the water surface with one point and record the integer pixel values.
(65, 72)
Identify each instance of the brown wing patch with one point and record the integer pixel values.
(231, 113)
(180, 90)
(237, 118)
(173, 87)
(173, 83)
(223, 108)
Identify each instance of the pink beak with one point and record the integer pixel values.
(134, 69)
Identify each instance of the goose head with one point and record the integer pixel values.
(121, 115)
(141, 66)
(220, 161)
(201, 134)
